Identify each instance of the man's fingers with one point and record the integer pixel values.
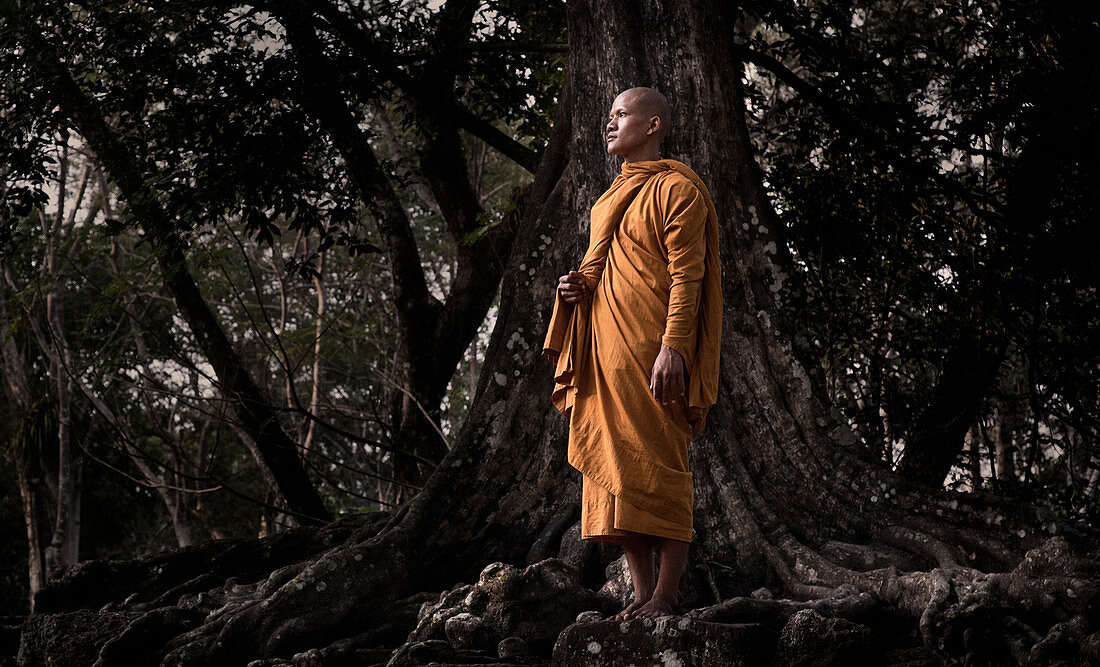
(571, 287)
(666, 387)
(572, 283)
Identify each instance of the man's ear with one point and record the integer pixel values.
(654, 125)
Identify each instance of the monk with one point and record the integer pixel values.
(634, 337)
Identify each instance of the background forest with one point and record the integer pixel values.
(241, 292)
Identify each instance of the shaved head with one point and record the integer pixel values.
(637, 122)
(652, 103)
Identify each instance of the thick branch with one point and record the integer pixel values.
(480, 262)
(416, 307)
(444, 105)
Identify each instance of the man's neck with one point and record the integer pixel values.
(643, 154)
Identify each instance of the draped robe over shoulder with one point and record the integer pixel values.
(653, 276)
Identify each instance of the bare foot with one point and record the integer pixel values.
(654, 608)
(628, 613)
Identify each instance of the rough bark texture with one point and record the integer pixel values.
(785, 505)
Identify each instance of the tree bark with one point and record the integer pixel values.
(1005, 452)
(315, 375)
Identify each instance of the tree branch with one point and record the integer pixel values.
(842, 116)
(443, 105)
(416, 307)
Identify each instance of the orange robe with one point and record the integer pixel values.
(653, 277)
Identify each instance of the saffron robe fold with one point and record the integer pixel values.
(653, 276)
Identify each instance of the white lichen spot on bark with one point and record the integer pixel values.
(670, 658)
(800, 373)
(594, 647)
(500, 378)
(780, 277)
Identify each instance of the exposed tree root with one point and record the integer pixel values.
(356, 603)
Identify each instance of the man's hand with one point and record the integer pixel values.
(572, 287)
(667, 380)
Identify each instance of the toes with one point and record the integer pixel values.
(652, 611)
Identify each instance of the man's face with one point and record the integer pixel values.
(627, 126)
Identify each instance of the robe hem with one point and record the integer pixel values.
(628, 497)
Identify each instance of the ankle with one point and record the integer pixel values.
(671, 597)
